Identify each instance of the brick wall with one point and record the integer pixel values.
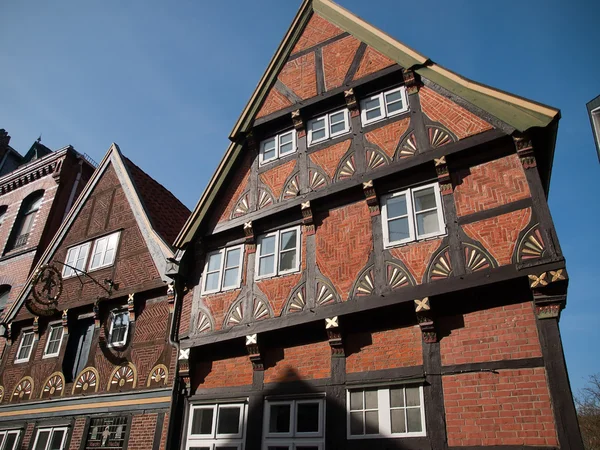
(329, 157)
(235, 188)
(504, 332)
(77, 433)
(416, 256)
(301, 362)
(141, 436)
(300, 76)
(388, 136)
(491, 184)
(278, 289)
(344, 241)
(371, 62)
(387, 349)
(509, 408)
(236, 371)
(275, 178)
(274, 102)
(27, 436)
(317, 30)
(337, 58)
(219, 305)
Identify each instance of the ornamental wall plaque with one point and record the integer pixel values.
(46, 290)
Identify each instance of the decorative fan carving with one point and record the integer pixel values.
(477, 259)
(242, 206)
(158, 375)
(325, 293)
(86, 381)
(292, 187)
(375, 159)
(122, 377)
(204, 323)
(316, 179)
(54, 386)
(297, 300)
(260, 309)
(439, 136)
(441, 266)
(531, 245)
(347, 168)
(365, 284)
(23, 389)
(264, 198)
(396, 275)
(408, 147)
(235, 315)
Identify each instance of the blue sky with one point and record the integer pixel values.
(167, 80)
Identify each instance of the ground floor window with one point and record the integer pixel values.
(294, 424)
(217, 426)
(388, 411)
(107, 432)
(54, 438)
(9, 439)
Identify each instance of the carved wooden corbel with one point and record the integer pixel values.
(525, 151)
(36, 327)
(298, 121)
(131, 307)
(254, 352)
(549, 292)
(411, 81)
(250, 238)
(183, 362)
(334, 334)
(307, 218)
(65, 321)
(371, 196)
(171, 297)
(97, 314)
(425, 319)
(443, 174)
(351, 102)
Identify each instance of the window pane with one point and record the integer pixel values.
(288, 240)
(356, 423)
(394, 101)
(42, 440)
(269, 149)
(372, 103)
(267, 245)
(202, 421)
(268, 154)
(57, 438)
(338, 122)
(373, 114)
(337, 117)
(371, 422)
(279, 421)
(414, 420)
(308, 418)
(286, 143)
(371, 399)
(396, 397)
(266, 265)
(356, 400)
(424, 199)
(398, 229)
(233, 258)
(214, 262)
(398, 425)
(413, 396)
(286, 148)
(229, 421)
(393, 107)
(287, 260)
(338, 127)
(231, 277)
(317, 129)
(212, 281)
(396, 206)
(428, 222)
(11, 440)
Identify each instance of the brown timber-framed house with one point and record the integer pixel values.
(90, 361)
(373, 263)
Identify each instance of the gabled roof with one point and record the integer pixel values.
(139, 188)
(518, 113)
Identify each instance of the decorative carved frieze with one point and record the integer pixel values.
(297, 120)
(443, 174)
(525, 151)
(350, 98)
(425, 319)
(334, 334)
(65, 321)
(254, 352)
(411, 81)
(36, 327)
(131, 307)
(371, 196)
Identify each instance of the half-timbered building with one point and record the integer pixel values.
(89, 362)
(373, 264)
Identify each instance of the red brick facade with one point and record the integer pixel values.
(388, 137)
(317, 30)
(372, 61)
(302, 362)
(337, 58)
(329, 158)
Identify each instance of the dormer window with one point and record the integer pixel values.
(25, 347)
(385, 104)
(328, 126)
(104, 251)
(25, 219)
(119, 326)
(223, 270)
(277, 147)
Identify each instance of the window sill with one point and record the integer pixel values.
(222, 291)
(414, 241)
(384, 118)
(388, 436)
(54, 355)
(278, 275)
(329, 139)
(21, 361)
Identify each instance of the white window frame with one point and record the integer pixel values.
(277, 254)
(113, 315)
(385, 412)
(278, 154)
(4, 434)
(294, 438)
(383, 105)
(412, 214)
(224, 252)
(68, 272)
(25, 359)
(52, 326)
(108, 237)
(214, 440)
(327, 123)
(52, 430)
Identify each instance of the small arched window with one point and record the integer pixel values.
(25, 219)
(4, 291)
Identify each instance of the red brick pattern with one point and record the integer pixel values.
(491, 184)
(275, 177)
(337, 58)
(509, 408)
(303, 362)
(219, 305)
(388, 349)
(499, 234)
(141, 436)
(186, 311)
(372, 62)
(458, 120)
(300, 76)
(316, 31)
(343, 243)
(274, 102)
(234, 189)
(416, 256)
(505, 332)
(388, 137)
(145, 358)
(165, 431)
(278, 289)
(77, 433)
(329, 158)
(226, 372)
(27, 436)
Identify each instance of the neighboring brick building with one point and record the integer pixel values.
(89, 362)
(373, 264)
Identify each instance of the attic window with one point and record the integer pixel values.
(385, 104)
(328, 126)
(102, 255)
(277, 147)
